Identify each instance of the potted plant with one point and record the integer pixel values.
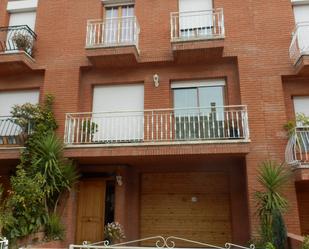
(22, 41)
(114, 232)
(88, 130)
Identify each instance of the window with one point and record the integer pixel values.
(10, 132)
(119, 113)
(199, 110)
(20, 19)
(301, 13)
(301, 105)
(119, 24)
(195, 17)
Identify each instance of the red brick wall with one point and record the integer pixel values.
(257, 37)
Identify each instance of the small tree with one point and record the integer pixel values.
(42, 176)
(270, 203)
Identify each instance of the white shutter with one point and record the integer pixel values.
(123, 108)
(195, 20)
(301, 105)
(301, 13)
(23, 18)
(7, 101)
(11, 98)
(194, 5)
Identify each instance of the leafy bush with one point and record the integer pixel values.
(269, 245)
(291, 124)
(54, 229)
(26, 200)
(305, 244)
(279, 231)
(6, 218)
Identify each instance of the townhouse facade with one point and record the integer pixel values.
(167, 108)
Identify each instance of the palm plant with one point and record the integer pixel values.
(58, 172)
(270, 202)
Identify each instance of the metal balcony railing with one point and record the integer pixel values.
(297, 149)
(300, 41)
(161, 125)
(195, 25)
(13, 131)
(113, 32)
(17, 38)
(4, 243)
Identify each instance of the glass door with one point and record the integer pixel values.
(199, 112)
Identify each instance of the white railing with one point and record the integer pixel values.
(157, 242)
(13, 131)
(207, 24)
(4, 243)
(297, 149)
(161, 125)
(111, 32)
(300, 41)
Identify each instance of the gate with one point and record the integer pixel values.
(158, 242)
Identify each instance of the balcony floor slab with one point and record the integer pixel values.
(237, 147)
(302, 66)
(199, 50)
(113, 56)
(17, 62)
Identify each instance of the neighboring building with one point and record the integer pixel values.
(188, 97)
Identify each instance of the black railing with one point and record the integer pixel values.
(16, 38)
(14, 131)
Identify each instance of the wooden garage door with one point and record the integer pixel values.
(190, 205)
(303, 207)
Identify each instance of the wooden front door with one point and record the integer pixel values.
(91, 210)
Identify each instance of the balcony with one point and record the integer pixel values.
(113, 42)
(198, 34)
(297, 150)
(13, 132)
(16, 49)
(299, 48)
(228, 124)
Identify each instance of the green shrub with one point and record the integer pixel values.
(270, 202)
(279, 232)
(26, 200)
(269, 245)
(305, 244)
(54, 229)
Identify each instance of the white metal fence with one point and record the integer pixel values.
(161, 125)
(297, 149)
(207, 24)
(157, 242)
(119, 31)
(300, 41)
(4, 243)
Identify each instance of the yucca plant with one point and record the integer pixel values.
(270, 202)
(58, 172)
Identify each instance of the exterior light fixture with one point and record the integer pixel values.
(119, 180)
(156, 80)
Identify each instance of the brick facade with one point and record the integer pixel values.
(255, 63)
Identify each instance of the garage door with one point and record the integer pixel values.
(190, 205)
